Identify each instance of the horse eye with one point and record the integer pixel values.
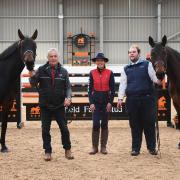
(152, 54)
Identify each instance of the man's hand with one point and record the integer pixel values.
(109, 107)
(92, 107)
(119, 104)
(32, 73)
(67, 102)
(159, 82)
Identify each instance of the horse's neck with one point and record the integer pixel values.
(13, 64)
(10, 69)
(173, 65)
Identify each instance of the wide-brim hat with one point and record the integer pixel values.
(100, 56)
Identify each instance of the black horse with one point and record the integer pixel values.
(167, 61)
(12, 61)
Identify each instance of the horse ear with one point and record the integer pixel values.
(151, 41)
(34, 36)
(164, 40)
(20, 34)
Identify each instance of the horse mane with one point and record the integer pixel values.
(7, 52)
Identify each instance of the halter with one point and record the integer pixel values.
(164, 62)
(27, 51)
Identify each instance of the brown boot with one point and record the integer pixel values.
(93, 151)
(68, 154)
(95, 142)
(104, 138)
(47, 157)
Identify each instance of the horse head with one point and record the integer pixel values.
(158, 56)
(27, 47)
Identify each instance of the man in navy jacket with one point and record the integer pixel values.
(136, 83)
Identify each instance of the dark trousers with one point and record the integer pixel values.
(46, 118)
(142, 117)
(100, 117)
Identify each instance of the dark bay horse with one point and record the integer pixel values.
(12, 61)
(167, 61)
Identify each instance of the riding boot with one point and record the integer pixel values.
(95, 142)
(104, 138)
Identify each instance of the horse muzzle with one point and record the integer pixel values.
(29, 65)
(29, 60)
(160, 75)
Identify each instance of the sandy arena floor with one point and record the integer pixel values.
(25, 159)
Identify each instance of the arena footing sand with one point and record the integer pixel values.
(25, 159)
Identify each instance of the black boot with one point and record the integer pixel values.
(95, 142)
(104, 138)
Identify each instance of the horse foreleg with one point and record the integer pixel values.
(177, 120)
(3, 135)
(177, 107)
(178, 123)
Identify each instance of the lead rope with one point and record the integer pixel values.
(157, 126)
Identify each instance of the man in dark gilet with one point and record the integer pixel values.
(54, 90)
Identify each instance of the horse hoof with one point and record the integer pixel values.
(179, 146)
(4, 149)
(20, 125)
(171, 125)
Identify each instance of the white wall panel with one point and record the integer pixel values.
(121, 26)
(80, 7)
(170, 8)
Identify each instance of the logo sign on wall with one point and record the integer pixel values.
(81, 40)
(164, 105)
(77, 111)
(15, 112)
(81, 111)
